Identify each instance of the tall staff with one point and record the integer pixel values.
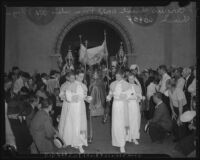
(105, 45)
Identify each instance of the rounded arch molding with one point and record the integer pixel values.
(111, 21)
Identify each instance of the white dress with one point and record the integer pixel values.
(64, 107)
(133, 113)
(119, 113)
(75, 127)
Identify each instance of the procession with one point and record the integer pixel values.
(87, 88)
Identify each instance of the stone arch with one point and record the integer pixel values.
(111, 21)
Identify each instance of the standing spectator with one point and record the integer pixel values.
(192, 86)
(57, 105)
(53, 82)
(21, 82)
(7, 89)
(162, 70)
(177, 101)
(16, 71)
(41, 90)
(188, 80)
(180, 81)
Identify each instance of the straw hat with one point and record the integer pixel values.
(58, 142)
(187, 116)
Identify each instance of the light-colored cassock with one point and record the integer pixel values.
(75, 127)
(119, 113)
(62, 95)
(134, 112)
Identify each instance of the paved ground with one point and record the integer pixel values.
(102, 143)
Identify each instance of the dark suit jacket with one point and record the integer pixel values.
(43, 131)
(185, 89)
(162, 117)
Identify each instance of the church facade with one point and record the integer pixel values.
(150, 36)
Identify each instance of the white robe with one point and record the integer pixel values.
(75, 128)
(133, 113)
(64, 108)
(119, 113)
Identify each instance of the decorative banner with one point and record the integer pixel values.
(93, 55)
(40, 15)
(144, 16)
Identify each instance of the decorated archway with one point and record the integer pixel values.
(106, 19)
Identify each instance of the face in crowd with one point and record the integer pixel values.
(72, 78)
(131, 78)
(80, 77)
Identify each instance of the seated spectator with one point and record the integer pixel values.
(161, 122)
(42, 129)
(180, 81)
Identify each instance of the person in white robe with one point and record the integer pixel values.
(75, 128)
(134, 96)
(120, 124)
(65, 104)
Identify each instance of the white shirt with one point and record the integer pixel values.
(162, 83)
(18, 84)
(151, 89)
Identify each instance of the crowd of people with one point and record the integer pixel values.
(41, 107)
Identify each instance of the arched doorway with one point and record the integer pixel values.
(91, 27)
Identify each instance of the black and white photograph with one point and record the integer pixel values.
(100, 80)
